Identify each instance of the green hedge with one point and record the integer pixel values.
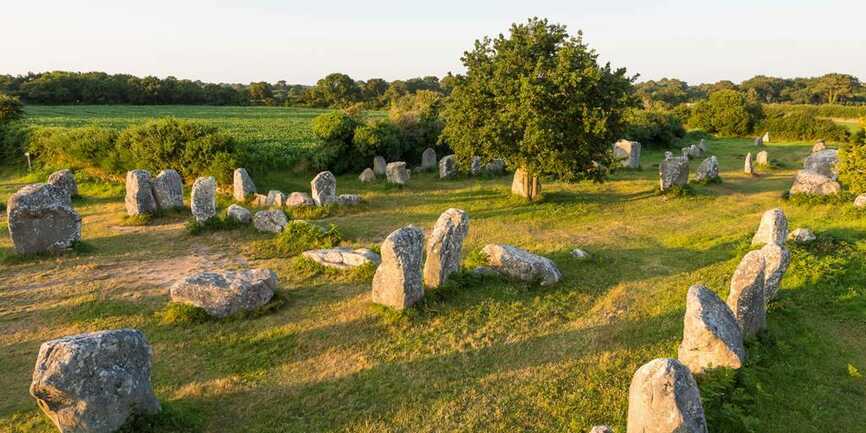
(803, 125)
(824, 110)
(653, 127)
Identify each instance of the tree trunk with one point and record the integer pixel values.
(525, 185)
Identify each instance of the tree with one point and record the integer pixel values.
(727, 112)
(836, 87)
(768, 89)
(374, 91)
(335, 90)
(539, 100)
(10, 109)
(261, 93)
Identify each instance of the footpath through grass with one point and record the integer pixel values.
(478, 355)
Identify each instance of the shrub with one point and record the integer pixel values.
(852, 167)
(381, 137)
(417, 117)
(653, 126)
(803, 125)
(10, 109)
(335, 151)
(335, 126)
(13, 140)
(728, 113)
(77, 147)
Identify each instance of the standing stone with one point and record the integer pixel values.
(495, 167)
(222, 294)
(428, 159)
(203, 199)
(708, 170)
(168, 190)
(367, 175)
(139, 193)
(275, 199)
(746, 298)
(776, 259)
(379, 165)
(823, 162)
(763, 158)
(239, 214)
(243, 187)
(447, 167)
(65, 180)
(324, 188)
(445, 247)
(521, 265)
(693, 152)
(759, 141)
(802, 236)
(628, 152)
(397, 282)
(703, 146)
(259, 200)
(711, 337)
(524, 185)
(819, 146)
(94, 382)
(812, 183)
(475, 166)
(397, 173)
(296, 199)
(270, 221)
(673, 172)
(748, 166)
(664, 398)
(773, 228)
(41, 219)
(766, 137)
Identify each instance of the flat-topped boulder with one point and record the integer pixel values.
(203, 199)
(802, 236)
(627, 152)
(243, 187)
(711, 336)
(239, 214)
(447, 167)
(168, 190)
(673, 172)
(397, 173)
(65, 180)
(522, 265)
(813, 183)
(708, 171)
(343, 258)
(324, 188)
(41, 219)
(823, 162)
(94, 382)
(773, 228)
(746, 297)
(397, 282)
(222, 294)
(445, 247)
(270, 221)
(664, 398)
(296, 199)
(139, 198)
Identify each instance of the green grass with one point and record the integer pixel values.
(480, 353)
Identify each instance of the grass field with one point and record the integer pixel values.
(479, 356)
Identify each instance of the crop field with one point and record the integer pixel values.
(481, 354)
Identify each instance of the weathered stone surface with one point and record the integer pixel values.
(711, 336)
(94, 382)
(223, 294)
(397, 282)
(324, 188)
(759, 141)
(296, 199)
(708, 170)
(860, 201)
(802, 236)
(495, 167)
(260, 200)
(748, 165)
(773, 228)
(673, 172)
(445, 246)
(664, 398)
(275, 199)
(485, 271)
(41, 219)
(239, 214)
(521, 265)
(243, 187)
(379, 165)
(819, 146)
(428, 159)
(203, 199)
(168, 190)
(270, 221)
(601, 429)
(348, 199)
(776, 261)
(813, 183)
(139, 193)
(627, 152)
(746, 298)
(343, 258)
(693, 152)
(703, 146)
(475, 166)
(397, 173)
(447, 167)
(762, 158)
(579, 254)
(524, 185)
(65, 180)
(367, 175)
(823, 162)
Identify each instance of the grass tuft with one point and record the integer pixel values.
(215, 224)
(297, 237)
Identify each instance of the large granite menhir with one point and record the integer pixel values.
(41, 219)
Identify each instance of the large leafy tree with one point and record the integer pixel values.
(538, 99)
(335, 90)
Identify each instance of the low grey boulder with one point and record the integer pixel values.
(447, 167)
(94, 382)
(495, 167)
(445, 247)
(270, 221)
(802, 236)
(708, 170)
(776, 261)
(243, 187)
(203, 199)
(819, 146)
(664, 398)
(397, 173)
(222, 294)
(139, 198)
(296, 199)
(746, 297)
(601, 429)
(773, 228)
(711, 336)
(367, 175)
(348, 199)
(41, 219)
(343, 258)
(521, 265)
(239, 214)
(324, 188)
(579, 254)
(397, 282)
(379, 165)
(673, 172)
(275, 199)
(65, 180)
(813, 183)
(168, 190)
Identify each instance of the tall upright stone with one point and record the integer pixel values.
(766, 137)
(776, 258)
(773, 228)
(397, 173)
(324, 188)
(94, 382)
(711, 336)
(746, 297)
(243, 187)
(379, 165)
(763, 158)
(748, 165)
(524, 185)
(397, 282)
(41, 219)
(673, 172)
(203, 199)
(664, 398)
(168, 190)
(428, 159)
(475, 166)
(627, 152)
(445, 246)
(65, 180)
(447, 167)
(139, 193)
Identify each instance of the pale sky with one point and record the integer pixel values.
(301, 41)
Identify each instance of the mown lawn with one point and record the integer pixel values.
(478, 355)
